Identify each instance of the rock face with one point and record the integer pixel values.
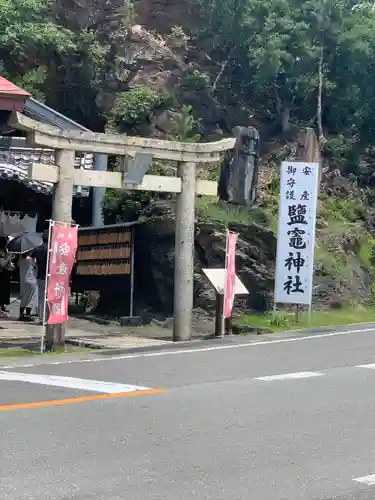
(340, 278)
(156, 53)
(256, 251)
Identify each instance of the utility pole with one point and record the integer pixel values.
(308, 150)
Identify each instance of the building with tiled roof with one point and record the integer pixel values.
(16, 156)
(12, 97)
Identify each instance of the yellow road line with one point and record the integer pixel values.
(83, 399)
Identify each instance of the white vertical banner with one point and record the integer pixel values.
(299, 183)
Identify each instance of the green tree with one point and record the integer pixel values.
(306, 60)
(26, 34)
(59, 52)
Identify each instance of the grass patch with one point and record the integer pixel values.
(17, 352)
(284, 321)
(332, 263)
(367, 251)
(220, 212)
(342, 210)
(69, 349)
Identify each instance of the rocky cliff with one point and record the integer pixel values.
(159, 56)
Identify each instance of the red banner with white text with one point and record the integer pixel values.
(62, 252)
(230, 274)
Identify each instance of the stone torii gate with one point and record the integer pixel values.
(64, 176)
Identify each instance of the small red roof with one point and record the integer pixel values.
(9, 89)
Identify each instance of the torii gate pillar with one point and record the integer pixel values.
(63, 193)
(184, 253)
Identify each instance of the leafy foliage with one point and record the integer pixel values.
(196, 80)
(24, 26)
(188, 125)
(128, 205)
(281, 56)
(136, 106)
(276, 60)
(273, 52)
(58, 51)
(124, 206)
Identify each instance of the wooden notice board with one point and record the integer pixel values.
(105, 263)
(105, 252)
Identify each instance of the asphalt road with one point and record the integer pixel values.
(285, 420)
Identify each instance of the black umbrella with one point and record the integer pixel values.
(24, 242)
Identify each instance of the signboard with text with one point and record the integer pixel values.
(296, 232)
(216, 277)
(105, 263)
(104, 251)
(62, 252)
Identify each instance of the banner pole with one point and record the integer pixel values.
(66, 224)
(51, 223)
(225, 281)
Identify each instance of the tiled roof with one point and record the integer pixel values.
(14, 161)
(12, 173)
(14, 164)
(8, 88)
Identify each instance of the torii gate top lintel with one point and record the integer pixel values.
(40, 134)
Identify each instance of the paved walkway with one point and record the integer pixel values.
(106, 334)
(82, 332)
(11, 331)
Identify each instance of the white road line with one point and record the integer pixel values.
(287, 376)
(371, 366)
(194, 351)
(368, 480)
(71, 383)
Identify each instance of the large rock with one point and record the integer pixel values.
(256, 251)
(255, 257)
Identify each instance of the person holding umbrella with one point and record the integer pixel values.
(22, 244)
(6, 267)
(38, 257)
(28, 288)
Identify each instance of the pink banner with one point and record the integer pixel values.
(62, 252)
(230, 274)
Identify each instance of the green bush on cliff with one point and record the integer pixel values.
(196, 80)
(136, 106)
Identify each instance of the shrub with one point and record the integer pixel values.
(188, 126)
(136, 106)
(196, 80)
(278, 320)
